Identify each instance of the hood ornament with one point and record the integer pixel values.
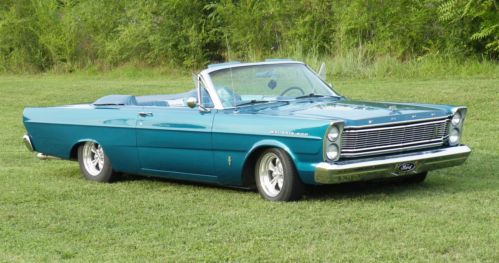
(393, 110)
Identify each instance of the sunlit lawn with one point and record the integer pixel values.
(48, 212)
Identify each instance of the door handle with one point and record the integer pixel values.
(145, 114)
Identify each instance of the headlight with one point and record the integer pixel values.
(456, 125)
(456, 119)
(332, 141)
(332, 152)
(454, 136)
(333, 134)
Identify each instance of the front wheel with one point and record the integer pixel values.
(276, 177)
(94, 163)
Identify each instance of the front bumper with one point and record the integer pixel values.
(390, 166)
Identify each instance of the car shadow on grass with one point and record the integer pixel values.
(374, 189)
(367, 189)
(122, 178)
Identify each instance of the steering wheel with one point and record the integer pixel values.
(292, 88)
(227, 96)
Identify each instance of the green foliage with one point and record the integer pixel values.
(64, 35)
(477, 20)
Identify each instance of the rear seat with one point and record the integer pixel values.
(173, 100)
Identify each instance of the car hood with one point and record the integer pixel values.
(358, 113)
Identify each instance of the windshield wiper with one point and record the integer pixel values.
(251, 102)
(311, 95)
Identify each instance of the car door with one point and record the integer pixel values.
(176, 141)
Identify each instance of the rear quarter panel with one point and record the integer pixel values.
(56, 130)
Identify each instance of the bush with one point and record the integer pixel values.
(65, 35)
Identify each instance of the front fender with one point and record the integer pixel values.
(304, 163)
(234, 145)
(270, 143)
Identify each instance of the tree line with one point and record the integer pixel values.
(66, 35)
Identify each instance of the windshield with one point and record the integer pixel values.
(269, 82)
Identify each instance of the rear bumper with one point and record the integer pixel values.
(27, 143)
(390, 166)
(29, 146)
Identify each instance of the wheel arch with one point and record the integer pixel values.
(73, 154)
(247, 175)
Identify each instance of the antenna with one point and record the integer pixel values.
(230, 69)
(228, 48)
(322, 71)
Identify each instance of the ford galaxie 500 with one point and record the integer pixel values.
(274, 124)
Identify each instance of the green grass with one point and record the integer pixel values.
(49, 213)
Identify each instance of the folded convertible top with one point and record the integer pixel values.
(116, 100)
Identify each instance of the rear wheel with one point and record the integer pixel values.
(94, 163)
(276, 177)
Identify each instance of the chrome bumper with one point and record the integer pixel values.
(27, 142)
(390, 166)
(41, 156)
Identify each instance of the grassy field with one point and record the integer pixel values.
(49, 213)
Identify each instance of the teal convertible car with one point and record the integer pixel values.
(276, 125)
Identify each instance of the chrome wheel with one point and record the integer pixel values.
(93, 158)
(271, 174)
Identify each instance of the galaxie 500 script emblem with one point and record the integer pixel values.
(289, 133)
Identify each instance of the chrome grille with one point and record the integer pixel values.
(358, 142)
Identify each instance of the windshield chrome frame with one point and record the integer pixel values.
(204, 76)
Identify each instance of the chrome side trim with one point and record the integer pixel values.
(27, 143)
(387, 166)
(395, 123)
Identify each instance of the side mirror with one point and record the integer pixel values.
(192, 102)
(322, 71)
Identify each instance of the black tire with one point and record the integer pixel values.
(287, 187)
(99, 173)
